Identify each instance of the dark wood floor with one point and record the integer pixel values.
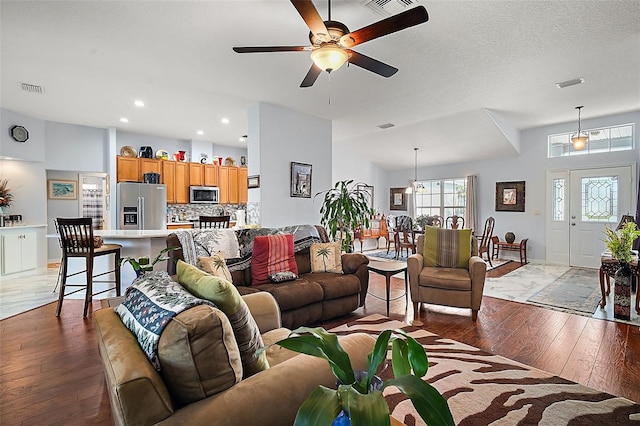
(50, 371)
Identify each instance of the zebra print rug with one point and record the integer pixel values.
(484, 389)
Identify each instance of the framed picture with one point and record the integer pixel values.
(368, 190)
(398, 199)
(253, 181)
(510, 196)
(62, 189)
(300, 180)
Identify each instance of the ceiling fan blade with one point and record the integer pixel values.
(373, 65)
(311, 76)
(390, 25)
(312, 18)
(264, 49)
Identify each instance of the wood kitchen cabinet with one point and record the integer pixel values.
(196, 174)
(168, 177)
(223, 184)
(127, 169)
(148, 165)
(233, 186)
(243, 189)
(210, 175)
(182, 183)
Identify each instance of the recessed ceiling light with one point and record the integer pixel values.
(139, 103)
(225, 121)
(568, 83)
(124, 120)
(200, 132)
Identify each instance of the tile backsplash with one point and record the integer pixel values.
(183, 212)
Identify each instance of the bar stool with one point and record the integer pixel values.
(214, 221)
(76, 236)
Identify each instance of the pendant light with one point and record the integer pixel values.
(409, 189)
(579, 139)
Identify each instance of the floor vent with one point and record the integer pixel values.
(32, 88)
(389, 7)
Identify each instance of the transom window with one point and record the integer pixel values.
(443, 197)
(606, 139)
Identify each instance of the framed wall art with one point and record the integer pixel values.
(253, 181)
(397, 199)
(300, 180)
(510, 196)
(62, 189)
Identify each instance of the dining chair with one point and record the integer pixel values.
(438, 221)
(404, 237)
(455, 222)
(76, 237)
(214, 221)
(485, 239)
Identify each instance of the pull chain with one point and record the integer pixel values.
(329, 90)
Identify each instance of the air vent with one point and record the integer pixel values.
(386, 125)
(568, 83)
(32, 88)
(389, 7)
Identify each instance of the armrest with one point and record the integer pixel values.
(351, 262)
(264, 310)
(175, 255)
(415, 263)
(478, 272)
(273, 396)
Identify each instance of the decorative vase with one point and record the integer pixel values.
(510, 237)
(622, 292)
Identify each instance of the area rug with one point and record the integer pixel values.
(576, 290)
(484, 389)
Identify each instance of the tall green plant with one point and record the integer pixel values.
(344, 208)
(619, 242)
(364, 405)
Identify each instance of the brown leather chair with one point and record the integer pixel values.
(404, 237)
(76, 237)
(214, 221)
(485, 239)
(455, 222)
(457, 287)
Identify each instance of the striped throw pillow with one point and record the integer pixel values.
(448, 248)
(272, 254)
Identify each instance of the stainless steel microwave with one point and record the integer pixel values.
(204, 195)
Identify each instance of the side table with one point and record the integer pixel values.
(608, 268)
(520, 247)
(388, 269)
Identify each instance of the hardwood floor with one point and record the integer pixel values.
(50, 371)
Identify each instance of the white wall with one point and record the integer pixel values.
(73, 147)
(285, 136)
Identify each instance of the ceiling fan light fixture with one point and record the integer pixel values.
(329, 57)
(579, 139)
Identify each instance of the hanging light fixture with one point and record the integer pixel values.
(409, 189)
(579, 139)
(329, 57)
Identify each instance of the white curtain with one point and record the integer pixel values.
(471, 210)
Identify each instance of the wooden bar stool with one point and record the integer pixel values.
(76, 237)
(214, 221)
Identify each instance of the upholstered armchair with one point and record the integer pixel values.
(455, 274)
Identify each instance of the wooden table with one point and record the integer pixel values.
(520, 247)
(608, 268)
(388, 269)
(377, 228)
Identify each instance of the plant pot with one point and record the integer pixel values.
(622, 292)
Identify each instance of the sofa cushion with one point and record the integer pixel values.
(326, 257)
(199, 355)
(294, 294)
(448, 248)
(447, 278)
(215, 265)
(226, 297)
(334, 285)
(272, 254)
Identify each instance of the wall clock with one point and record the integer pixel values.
(19, 133)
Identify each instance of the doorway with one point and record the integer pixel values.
(581, 202)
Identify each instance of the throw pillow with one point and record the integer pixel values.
(448, 248)
(326, 257)
(215, 265)
(225, 296)
(281, 277)
(272, 254)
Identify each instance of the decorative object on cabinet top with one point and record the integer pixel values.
(146, 152)
(229, 162)
(128, 151)
(162, 154)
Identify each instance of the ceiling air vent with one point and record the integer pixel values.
(389, 7)
(386, 125)
(31, 88)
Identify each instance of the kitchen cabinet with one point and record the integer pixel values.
(19, 252)
(210, 175)
(243, 189)
(148, 165)
(196, 174)
(233, 185)
(182, 183)
(168, 177)
(223, 184)
(127, 169)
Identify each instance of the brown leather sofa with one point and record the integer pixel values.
(314, 296)
(139, 394)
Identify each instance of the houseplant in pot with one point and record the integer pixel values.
(619, 243)
(358, 399)
(141, 265)
(344, 208)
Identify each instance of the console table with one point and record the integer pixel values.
(520, 247)
(377, 228)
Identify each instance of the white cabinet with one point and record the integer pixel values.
(19, 252)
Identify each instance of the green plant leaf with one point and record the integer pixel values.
(428, 402)
(377, 355)
(400, 358)
(319, 409)
(364, 410)
(417, 355)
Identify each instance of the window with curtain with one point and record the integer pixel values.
(443, 197)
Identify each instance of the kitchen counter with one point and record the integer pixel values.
(132, 233)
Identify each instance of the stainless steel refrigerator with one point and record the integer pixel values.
(142, 206)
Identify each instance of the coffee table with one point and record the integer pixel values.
(389, 269)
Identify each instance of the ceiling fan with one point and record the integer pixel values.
(331, 41)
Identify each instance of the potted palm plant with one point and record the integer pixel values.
(141, 265)
(358, 399)
(344, 208)
(619, 242)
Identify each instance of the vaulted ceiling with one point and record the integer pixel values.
(474, 63)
